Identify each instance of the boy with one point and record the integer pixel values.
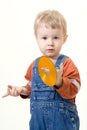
(52, 108)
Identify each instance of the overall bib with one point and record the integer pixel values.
(49, 111)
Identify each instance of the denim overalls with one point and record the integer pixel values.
(49, 111)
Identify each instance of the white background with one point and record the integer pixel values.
(18, 48)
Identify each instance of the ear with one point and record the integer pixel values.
(65, 38)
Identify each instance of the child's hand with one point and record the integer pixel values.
(59, 76)
(13, 91)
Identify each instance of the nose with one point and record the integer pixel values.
(50, 42)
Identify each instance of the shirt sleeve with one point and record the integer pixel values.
(28, 76)
(71, 80)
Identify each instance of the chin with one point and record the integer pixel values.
(50, 55)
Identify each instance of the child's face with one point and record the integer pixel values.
(50, 41)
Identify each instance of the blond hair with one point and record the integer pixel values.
(51, 18)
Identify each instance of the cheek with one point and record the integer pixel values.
(58, 47)
(41, 47)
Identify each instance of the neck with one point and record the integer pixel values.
(54, 59)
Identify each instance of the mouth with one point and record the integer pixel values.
(50, 50)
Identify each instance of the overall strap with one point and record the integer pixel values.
(36, 61)
(60, 60)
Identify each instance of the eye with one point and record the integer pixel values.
(44, 38)
(56, 37)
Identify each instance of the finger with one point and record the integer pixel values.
(46, 70)
(60, 71)
(18, 91)
(15, 91)
(61, 65)
(8, 91)
(10, 87)
(5, 95)
(12, 91)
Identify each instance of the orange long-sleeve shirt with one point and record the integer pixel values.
(71, 80)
